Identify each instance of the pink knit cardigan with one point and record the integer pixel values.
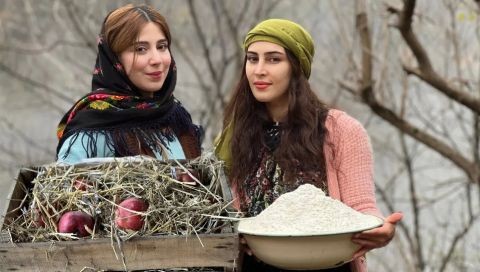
(349, 159)
(349, 168)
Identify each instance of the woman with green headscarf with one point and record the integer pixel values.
(278, 135)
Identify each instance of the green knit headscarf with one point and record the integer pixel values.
(287, 34)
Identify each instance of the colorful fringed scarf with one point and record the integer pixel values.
(116, 109)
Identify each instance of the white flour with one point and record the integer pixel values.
(307, 211)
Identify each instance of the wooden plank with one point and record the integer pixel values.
(218, 250)
(16, 195)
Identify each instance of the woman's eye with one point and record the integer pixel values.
(273, 60)
(162, 46)
(140, 49)
(252, 59)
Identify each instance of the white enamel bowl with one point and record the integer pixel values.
(304, 252)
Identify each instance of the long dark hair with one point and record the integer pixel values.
(303, 134)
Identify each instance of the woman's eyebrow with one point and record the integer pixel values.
(146, 43)
(140, 43)
(274, 53)
(267, 53)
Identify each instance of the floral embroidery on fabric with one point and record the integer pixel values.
(94, 97)
(264, 185)
(104, 101)
(99, 105)
(144, 105)
(60, 130)
(118, 66)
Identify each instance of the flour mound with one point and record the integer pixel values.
(307, 211)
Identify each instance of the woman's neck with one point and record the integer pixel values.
(278, 113)
(146, 94)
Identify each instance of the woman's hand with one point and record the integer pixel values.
(378, 237)
(244, 246)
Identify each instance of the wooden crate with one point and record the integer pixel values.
(156, 252)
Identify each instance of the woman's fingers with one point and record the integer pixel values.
(378, 237)
(394, 218)
(362, 251)
(370, 243)
(387, 230)
(244, 246)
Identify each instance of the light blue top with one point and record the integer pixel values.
(78, 153)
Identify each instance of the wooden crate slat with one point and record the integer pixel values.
(218, 250)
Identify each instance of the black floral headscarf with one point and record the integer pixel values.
(116, 109)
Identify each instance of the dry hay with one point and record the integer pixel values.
(174, 208)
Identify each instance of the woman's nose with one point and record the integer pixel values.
(155, 57)
(260, 68)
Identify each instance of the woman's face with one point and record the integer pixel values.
(268, 72)
(146, 63)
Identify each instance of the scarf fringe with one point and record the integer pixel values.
(154, 135)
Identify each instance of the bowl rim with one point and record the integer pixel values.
(379, 223)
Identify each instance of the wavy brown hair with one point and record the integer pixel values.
(123, 25)
(303, 134)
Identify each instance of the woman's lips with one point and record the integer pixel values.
(155, 75)
(261, 85)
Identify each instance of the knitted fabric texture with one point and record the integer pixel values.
(287, 34)
(350, 168)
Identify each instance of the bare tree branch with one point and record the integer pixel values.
(86, 38)
(28, 140)
(208, 56)
(198, 75)
(363, 30)
(223, 45)
(432, 78)
(425, 70)
(273, 5)
(34, 83)
(457, 238)
(9, 153)
(233, 31)
(367, 93)
(391, 209)
(469, 167)
(407, 161)
(218, 23)
(476, 140)
(45, 49)
(417, 246)
(203, 41)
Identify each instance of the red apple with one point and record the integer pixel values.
(75, 222)
(125, 218)
(186, 178)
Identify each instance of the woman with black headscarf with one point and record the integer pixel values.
(131, 109)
